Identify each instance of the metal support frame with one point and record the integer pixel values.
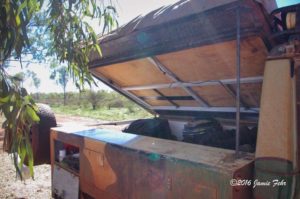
(245, 80)
(207, 109)
(116, 123)
(118, 88)
(172, 76)
(188, 98)
(164, 97)
(238, 78)
(233, 94)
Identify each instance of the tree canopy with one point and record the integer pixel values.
(38, 28)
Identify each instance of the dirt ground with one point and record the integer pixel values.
(11, 187)
(40, 187)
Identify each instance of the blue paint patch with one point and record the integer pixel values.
(109, 136)
(143, 38)
(154, 157)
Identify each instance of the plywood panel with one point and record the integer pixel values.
(133, 73)
(144, 93)
(215, 95)
(250, 93)
(165, 91)
(217, 61)
(191, 103)
(173, 92)
(154, 102)
(211, 62)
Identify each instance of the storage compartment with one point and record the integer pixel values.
(67, 156)
(215, 132)
(65, 169)
(210, 132)
(155, 127)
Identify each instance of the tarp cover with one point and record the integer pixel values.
(172, 12)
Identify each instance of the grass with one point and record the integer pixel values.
(113, 114)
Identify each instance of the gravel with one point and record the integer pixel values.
(12, 188)
(40, 187)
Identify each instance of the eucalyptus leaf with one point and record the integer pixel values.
(4, 100)
(57, 30)
(32, 113)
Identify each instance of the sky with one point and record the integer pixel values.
(127, 10)
(281, 3)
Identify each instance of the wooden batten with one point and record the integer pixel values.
(297, 73)
(277, 147)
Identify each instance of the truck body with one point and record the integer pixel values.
(186, 63)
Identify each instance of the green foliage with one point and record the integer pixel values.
(94, 98)
(14, 18)
(101, 113)
(74, 39)
(59, 30)
(80, 104)
(20, 113)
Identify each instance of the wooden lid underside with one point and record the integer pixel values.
(197, 77)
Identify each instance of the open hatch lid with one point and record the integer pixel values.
(181, 59)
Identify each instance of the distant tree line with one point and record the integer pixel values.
(87, 99)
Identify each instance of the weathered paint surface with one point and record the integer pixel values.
(111, 168)
(272, 170)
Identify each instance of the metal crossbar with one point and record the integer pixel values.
(172, 76)
(245, 80)
(238, 78)
(207, 109)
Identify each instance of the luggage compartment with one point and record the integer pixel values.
(215, 132)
